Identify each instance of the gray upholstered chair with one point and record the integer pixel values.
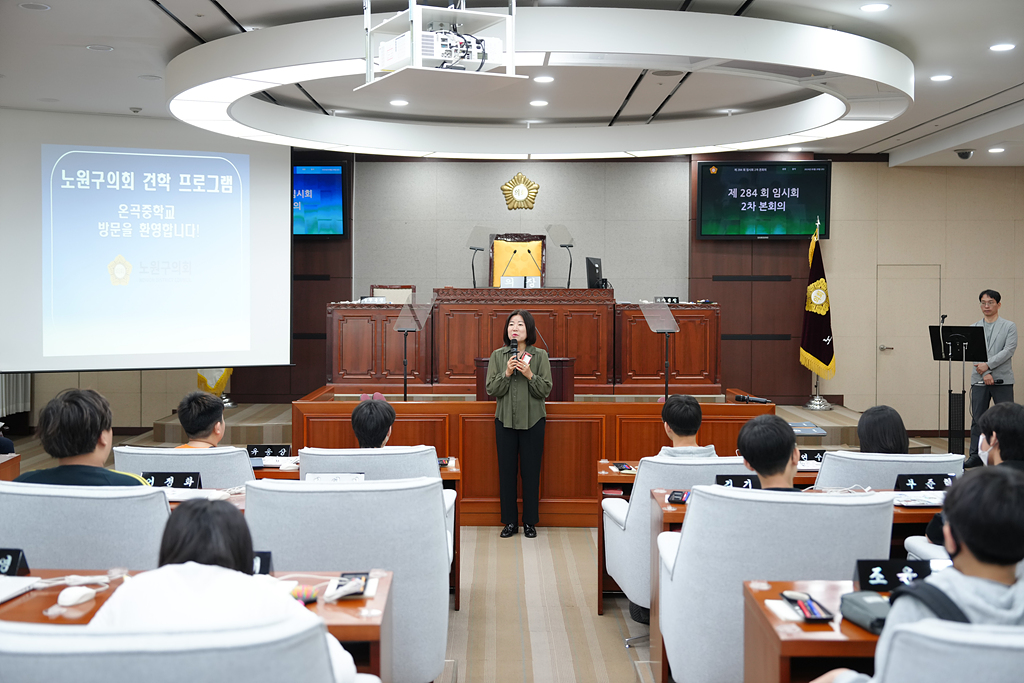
(222, 467)
(389, 462)
(730, 536)
(84, 527)
(627, 525)
(395, 524)
(920, 548)
(81, 654)
(935, 650)
(842, 469)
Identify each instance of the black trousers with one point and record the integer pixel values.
(980, 397)
(519, 452)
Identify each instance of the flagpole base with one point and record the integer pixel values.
(226, 400)
(817, 402)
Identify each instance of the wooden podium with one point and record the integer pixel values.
(613, 350)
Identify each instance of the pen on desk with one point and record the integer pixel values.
(814, 608)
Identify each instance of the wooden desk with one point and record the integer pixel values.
(363, 632)
(665, 517)
(451, 477)
(778, 651)
(10, 467)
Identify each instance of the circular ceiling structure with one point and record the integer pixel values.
(749, 84)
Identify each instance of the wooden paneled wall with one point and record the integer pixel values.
(760, 285)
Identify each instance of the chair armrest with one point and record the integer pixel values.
(366, 678)
(920, 548)
(668, 548)
(451, 548)
(449, 499)
(616, 509)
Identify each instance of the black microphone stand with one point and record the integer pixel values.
(472, 264)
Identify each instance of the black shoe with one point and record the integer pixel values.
(531, 531)
(511, 530)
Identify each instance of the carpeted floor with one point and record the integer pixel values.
(529, 612)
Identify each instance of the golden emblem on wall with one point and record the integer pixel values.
(520, 192)
(817, 297)
(120, 271)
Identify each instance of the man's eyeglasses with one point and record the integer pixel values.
(989, 302)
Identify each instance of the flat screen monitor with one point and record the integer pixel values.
(318, 200)
(595, 279)
(763, 199)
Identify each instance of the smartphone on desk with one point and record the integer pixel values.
(622, 466)
(442, 462)
(361, 576)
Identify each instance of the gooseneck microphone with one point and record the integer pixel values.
(534, 260)
(750, 399)
(509, 262)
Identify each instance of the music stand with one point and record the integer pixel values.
(411, 319)
(951, 343)
(661, 321)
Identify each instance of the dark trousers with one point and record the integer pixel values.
(519, 452)
(980, 397)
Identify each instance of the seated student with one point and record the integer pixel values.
(768, 446)
(75, 428)
(205, 582)
(681, 416)
(1001, 442)
(6, 446)
(880, 430)
(371, 421)
(201, 415)
(984, 534)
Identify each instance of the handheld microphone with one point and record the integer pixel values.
(751, 399)
(513, 348)
(534, 260)
(509, 262)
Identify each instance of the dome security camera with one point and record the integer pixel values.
(964, 154)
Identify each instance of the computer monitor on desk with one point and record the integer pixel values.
(595, 279)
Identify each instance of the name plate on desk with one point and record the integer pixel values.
(738, 481)
(13, 562)
(883, 576)
(174, 480)
(281, 450)
(812, 454)
(262, 562)
(513, 282)
(924, 482)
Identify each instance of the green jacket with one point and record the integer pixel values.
(520, 401)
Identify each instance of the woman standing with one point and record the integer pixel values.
(519, 376)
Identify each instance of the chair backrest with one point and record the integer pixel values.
(83, 527)
(841, 469)
(389, 462)
(671, 473)
(82, 654)
(222, 467)
(730, 536)
(397, 525)
(934, 650)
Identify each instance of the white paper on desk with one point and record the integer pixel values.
(808, 466)
(783, 610)
(181, 495)
(13, 586)
(920, 499)
(278, 461)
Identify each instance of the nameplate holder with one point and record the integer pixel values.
(280, 450)
(335, 477)
(883, 576)
(666, 299)
(262, 563)
(738, 481)
(678, 497)
(513, 282)
(924, 482)
(13, 562)
(174, 480)
(812, 454)
(532, 281)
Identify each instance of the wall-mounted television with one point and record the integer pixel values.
(763, 199)
(318, 200)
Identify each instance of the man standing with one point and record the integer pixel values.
(991, 381)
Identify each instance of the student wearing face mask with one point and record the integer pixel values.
(519, 376)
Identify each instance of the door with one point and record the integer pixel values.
(906, 377)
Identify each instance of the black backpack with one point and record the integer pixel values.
(934, 599)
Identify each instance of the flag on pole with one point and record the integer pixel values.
(816, 350)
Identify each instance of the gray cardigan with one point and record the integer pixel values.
(1001, 340)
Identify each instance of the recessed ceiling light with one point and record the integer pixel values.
(1002, 47)
(151, 77)
(874, 7)
(942, 77)
(996, 150)
(99, 48)
(538, 103)
(543, 79)
(34, 5)
(398, 103)
(795, 149)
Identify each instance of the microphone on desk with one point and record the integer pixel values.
(509, 262)
(750, 399)
(534, 260)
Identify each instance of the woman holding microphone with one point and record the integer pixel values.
(519, 376)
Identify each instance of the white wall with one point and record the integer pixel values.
(412, 220)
